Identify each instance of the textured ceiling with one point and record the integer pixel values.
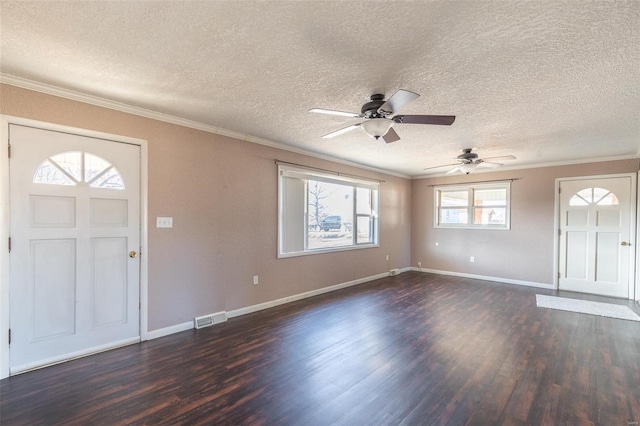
(546, 81)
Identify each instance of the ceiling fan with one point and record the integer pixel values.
(468, 161)
(378, 116)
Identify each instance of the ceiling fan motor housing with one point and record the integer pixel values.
(467, 155)
(370, 109)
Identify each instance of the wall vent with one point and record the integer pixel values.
(393, 272)
(207, 320)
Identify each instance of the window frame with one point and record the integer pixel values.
(305, 175)
(471, 206)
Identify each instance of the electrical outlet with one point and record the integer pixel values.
(255, 280)
(472, 259)
(387, 257)
(419, 264)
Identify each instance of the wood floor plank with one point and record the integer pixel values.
(413, 349)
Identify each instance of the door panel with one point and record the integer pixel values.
(594, 235)
(52, 285)
(109, 280)
(75, 215)
(577, 251)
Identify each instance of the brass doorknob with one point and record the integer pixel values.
(624, 243)
(133, 254)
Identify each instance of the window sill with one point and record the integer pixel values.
(327, 250)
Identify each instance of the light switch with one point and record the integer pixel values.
(164, 222)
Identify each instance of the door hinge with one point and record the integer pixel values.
(9, 244)
(9, 336)
(9, 150)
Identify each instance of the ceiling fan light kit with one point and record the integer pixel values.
(377, 127)
(377, 116)
(468, 168)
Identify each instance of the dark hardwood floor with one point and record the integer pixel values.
(414, 349)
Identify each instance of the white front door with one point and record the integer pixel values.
(75, 234)
(596, 236)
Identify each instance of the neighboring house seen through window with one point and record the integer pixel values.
(483, 206)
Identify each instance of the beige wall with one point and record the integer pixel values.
(222, 195)
(523, 253)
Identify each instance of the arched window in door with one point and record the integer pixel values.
(591, 196)
(75, 167)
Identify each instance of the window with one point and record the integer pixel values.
(75, 167)
(321, 212)
(597, 196)
(473, 206)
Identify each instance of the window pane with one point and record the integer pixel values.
(453, 216)
(599, 193)
(577, 200)
(490, 216)
(364, 230)
(609, 200)
(93, 165)
(363, 197)
(70, 162)
(292, 200)
(587, 194)
(330, 215)
(110, 180)
(50, 174)
(490, 197)
(453, 198)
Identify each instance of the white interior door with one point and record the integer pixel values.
(75, 234)
(596, 234)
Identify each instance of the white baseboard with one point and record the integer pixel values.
(261, 306)
(161, 332)
(486, 278)
(266, 305)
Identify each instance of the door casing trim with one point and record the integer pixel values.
(5, 121)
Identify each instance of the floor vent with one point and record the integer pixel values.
(393, 272)
(207, 320)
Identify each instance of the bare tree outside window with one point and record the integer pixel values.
(317, 193)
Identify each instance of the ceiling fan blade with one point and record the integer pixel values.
(445, 120)
(391, 136)
(490, 165)
(443, 165)
(397, 101)
(455, 169)
(504, 157)
(341, 131)
(334, 112)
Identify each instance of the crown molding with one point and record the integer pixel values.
(48, 89)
